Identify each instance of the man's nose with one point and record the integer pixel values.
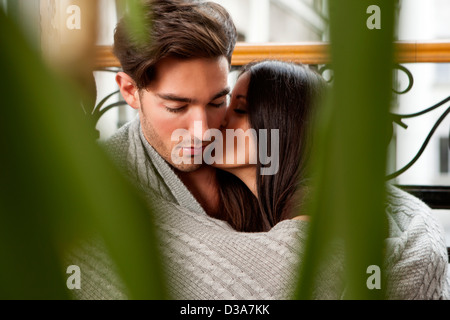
(199, 125)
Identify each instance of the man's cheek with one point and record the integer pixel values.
(216, 119)
(166, 131)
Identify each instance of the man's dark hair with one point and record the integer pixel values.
(173, 28)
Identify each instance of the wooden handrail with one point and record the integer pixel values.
(308, 53)
(415, 52)
(104, 58)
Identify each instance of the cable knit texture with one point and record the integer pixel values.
(206, 259)
(417, 256)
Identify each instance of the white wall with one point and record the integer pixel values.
(420, 21)
(106, 84)
(424, 20)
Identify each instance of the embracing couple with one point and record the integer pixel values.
(235, 227)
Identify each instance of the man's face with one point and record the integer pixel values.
(182, 93)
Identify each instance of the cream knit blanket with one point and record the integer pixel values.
(207, 259)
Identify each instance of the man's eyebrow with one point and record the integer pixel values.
(222, 93)
(173, 97)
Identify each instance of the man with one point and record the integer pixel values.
(176, 77)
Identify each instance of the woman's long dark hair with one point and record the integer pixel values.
(280, 96)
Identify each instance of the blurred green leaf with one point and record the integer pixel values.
(58, 186)
(136, 20)
(351, 151)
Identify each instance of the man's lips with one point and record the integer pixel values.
(193, 151)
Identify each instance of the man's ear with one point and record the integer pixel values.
(128, 89)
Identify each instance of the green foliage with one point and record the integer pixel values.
(136, 21)
(350, 157)
(58, 186)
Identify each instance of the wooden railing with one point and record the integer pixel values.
(308, 53)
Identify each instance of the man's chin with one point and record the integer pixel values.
(186, 167)
(184, 164)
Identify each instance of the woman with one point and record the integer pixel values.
(279, 97)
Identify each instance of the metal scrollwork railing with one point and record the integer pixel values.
(328, 67)
(99, 109)
(410, 79)
(323, 69)
(397, 118)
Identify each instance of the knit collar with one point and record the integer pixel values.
(167, 177)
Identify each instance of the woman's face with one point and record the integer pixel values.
(240, 151)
